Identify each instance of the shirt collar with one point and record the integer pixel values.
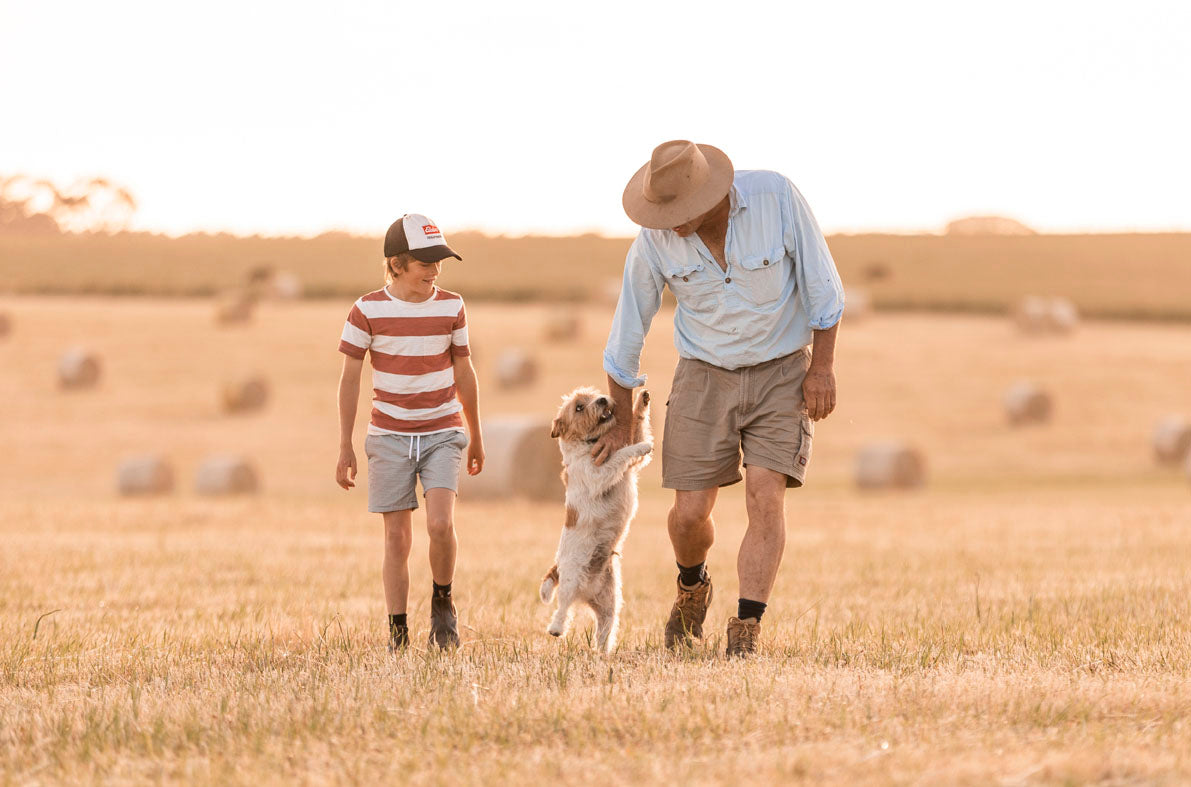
(737, 200)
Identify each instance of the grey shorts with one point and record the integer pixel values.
(395, 462)
(714, 415)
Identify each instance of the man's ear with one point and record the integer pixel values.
(556, 427)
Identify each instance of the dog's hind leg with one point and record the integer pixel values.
(568, 592)
(607, 603)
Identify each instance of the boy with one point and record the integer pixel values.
(423, 379)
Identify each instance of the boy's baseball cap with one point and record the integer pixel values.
(418, 235)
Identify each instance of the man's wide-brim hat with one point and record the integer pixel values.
(680, 182)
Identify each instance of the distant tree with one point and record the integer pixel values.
(35, 206)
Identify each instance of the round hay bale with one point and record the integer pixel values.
(78, 368)
(890, 465)
(1026, 403)
(515, 368)
(148, 474)
(1038, 315)
(235, 308)
(563, 326)
(5, 325)
(857, 304)
(1064, 317)
(284, 286)
(226, 474)
(1032, 315)
(244, 396)
(521, 460)
(1172, 440)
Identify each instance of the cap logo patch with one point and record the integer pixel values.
(430, 229)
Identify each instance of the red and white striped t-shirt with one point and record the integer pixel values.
(412, 346)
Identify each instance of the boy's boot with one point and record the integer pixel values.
(444, 622)
(398, 639)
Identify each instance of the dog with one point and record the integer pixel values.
(600, 502)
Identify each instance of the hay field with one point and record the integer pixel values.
(1119, 276)
(1021, 620)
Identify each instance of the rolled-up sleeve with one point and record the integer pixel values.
(818, 281)
(640, 298)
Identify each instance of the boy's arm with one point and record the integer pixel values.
(468, 390)
(349, 398)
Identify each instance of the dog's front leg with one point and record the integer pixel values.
(618, 464)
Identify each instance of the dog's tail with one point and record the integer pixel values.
(549, 583)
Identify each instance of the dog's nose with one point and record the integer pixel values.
(602, 401)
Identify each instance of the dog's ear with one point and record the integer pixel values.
(556, 427)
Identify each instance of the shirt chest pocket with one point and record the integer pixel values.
(762, 276)
(694, 287)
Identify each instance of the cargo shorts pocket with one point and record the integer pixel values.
(803, 457)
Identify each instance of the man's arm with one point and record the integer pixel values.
(822, 294)
(349, 397)
(468, 390)
(640, 299)
(818, 388)
(619, 435)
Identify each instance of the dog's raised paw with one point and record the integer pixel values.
(644, 398)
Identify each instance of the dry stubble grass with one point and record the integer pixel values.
(1021, 620)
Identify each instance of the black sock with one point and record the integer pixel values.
(691, 575)
(747, 608)
(441, 591)
(397, 621)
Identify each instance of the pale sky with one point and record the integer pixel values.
(294, 118)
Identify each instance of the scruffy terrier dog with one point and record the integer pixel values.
(601, 501)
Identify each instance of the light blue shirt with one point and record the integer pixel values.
(781, 284)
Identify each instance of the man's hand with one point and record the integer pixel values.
(475, 457)
(345, 470)
(818, 391)
(613, 440)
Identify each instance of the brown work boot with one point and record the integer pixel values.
(444, 623)
(688, 612)
(743, 636)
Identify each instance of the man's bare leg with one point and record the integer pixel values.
(692, 532)
(759, 557)
(764, 541)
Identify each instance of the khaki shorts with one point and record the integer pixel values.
(714, 414)
(396, 462)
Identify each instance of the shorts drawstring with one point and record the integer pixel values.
(410, 455)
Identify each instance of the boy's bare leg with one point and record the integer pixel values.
(440, 526)
(395, 569)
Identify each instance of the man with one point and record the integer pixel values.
(755, 285)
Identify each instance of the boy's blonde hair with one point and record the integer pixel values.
(401, 261)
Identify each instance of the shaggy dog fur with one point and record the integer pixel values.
(601, 501)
